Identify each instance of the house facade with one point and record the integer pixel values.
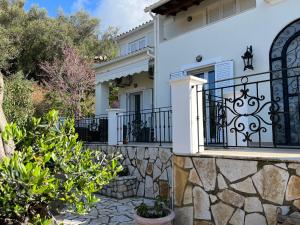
(224, 78)
(131, 71)
(206, 39)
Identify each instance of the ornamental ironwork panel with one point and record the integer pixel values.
(285, 62)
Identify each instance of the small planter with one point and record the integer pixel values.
(167, 220)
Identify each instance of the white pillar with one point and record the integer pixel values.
(184, 115)
(115, 135)
(102, 102)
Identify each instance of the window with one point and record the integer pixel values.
(226, 8)
(137, 45)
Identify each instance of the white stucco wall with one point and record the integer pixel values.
(227, 39)
(147, 32)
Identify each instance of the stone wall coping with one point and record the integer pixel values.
(141, 145)
(125, 178)
(276, 155)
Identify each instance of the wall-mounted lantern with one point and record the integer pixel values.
(248, 59)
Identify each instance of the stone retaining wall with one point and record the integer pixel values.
(222, 191)
(120, 188)
(152, 166)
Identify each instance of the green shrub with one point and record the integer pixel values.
(50, 169)
(18, 105)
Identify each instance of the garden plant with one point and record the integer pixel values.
(50, 170)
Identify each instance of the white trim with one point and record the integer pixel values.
(123, 57)
(155, 5)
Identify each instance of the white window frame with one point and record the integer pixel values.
(138, 44)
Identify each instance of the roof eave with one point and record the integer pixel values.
(155, 5)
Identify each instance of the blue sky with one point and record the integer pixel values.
(124, 14)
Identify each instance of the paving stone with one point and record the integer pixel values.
(184, 216)
(149, 187)
(268, 178)
(293, 190)
(194, 178)
(179, 161)
(281, 165)
(253, 204)
(188, 164)
(181, 178)
(213, 198)
(238, 217)
(235, 170)
(297, 203)
(188, 195)
(221, 213)
(271, 212)
(110, 212)
(206, 168)
(255, 219)
(232, 198)
(221, 182)
(164, 155)
(156, 172)
(201, 204)
(245, 186)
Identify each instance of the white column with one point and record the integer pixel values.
(185, 128)
(102, 94)
(115, 135)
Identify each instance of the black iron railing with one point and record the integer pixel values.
(254, 111)
(93, 129)
(149, 126)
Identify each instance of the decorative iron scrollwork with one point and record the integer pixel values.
(244, 112)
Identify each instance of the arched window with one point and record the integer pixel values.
(285, 67)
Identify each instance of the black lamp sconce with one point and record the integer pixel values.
(248, 59)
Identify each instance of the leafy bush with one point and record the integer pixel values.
(18, 105)
(50, 169)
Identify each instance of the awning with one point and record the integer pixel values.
(123, 71)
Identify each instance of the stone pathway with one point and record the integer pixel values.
(108, 211)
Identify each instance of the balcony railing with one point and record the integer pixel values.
(147, 126)
(254, 111)
(93, 129)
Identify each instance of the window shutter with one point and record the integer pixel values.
(224, 70)
(229, 8)
(147, 99)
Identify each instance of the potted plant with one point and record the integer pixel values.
(159, 214)
(114, 96)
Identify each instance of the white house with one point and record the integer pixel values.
(206, 38)
(131, 70)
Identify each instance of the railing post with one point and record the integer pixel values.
(188, 134)
(113, 127)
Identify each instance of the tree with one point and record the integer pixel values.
(71, 78)
(37, 38)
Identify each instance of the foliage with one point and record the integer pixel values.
(71, 78)
(18, 105)
(49, 169)
(32, 37)
(113, 93)
(159, 209)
